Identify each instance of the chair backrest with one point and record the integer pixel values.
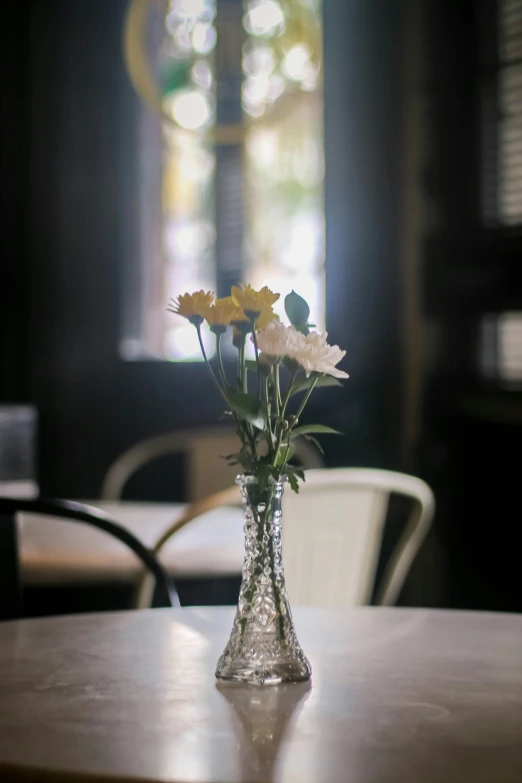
(10, 583)
(332, 535)
(207, 472)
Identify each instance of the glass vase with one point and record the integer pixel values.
(263, 647)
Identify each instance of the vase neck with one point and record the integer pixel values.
(261, 504)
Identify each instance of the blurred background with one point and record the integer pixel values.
(366, 153)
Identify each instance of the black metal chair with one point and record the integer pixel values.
(11, 593)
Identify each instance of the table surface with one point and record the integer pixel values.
(397, 695)
(57, 550)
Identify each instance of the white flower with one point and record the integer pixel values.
(315, 355)
(279, 340)
(312, 352)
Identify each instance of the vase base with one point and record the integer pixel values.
(275, 674)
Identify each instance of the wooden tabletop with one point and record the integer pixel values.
(58, 551)
(409, 696)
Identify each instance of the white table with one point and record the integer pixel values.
(54, 551)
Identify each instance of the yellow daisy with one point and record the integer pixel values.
(238, 336)
(241, 323)
(192, 306)
(253, 302)
(266, 317)
(220, 314)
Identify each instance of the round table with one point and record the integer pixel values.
(397, 695)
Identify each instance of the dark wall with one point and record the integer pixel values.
(470, 448)
(13, 187)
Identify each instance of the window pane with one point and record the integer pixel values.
(284, 158)
(239, 88)
(186, 72)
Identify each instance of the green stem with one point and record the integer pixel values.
(305, 400)
(288, 392)
(243, 384)
(278, 445)
(211, 371)
(277, 592)
(256, 351)
(277, 403)
(277, 390)
(252, 441)
(267, 398)
(241, 363)
(220, 360)
(224, 380)
(268, 431)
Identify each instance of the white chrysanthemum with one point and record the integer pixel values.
(315, 355)
(279, 340)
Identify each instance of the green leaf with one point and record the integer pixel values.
(305, 383)
(316, 429)
(251, 364)
(263, 474)
(245, 459)
(315, 442)
(292, 480)
(296, 309)
(297, 471)
(247, 408)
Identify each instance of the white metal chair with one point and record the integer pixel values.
(332, 535)
(207, 472)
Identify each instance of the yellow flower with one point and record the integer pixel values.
(220, 314)
(192, 306)
(239, 320)
(253, 302)
(241, 323)
(238, 337)
(266, 317)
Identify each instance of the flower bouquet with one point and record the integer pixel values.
(290, 362)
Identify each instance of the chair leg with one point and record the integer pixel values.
(11, 604)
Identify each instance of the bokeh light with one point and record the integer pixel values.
(263, 17)
(191, 109)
